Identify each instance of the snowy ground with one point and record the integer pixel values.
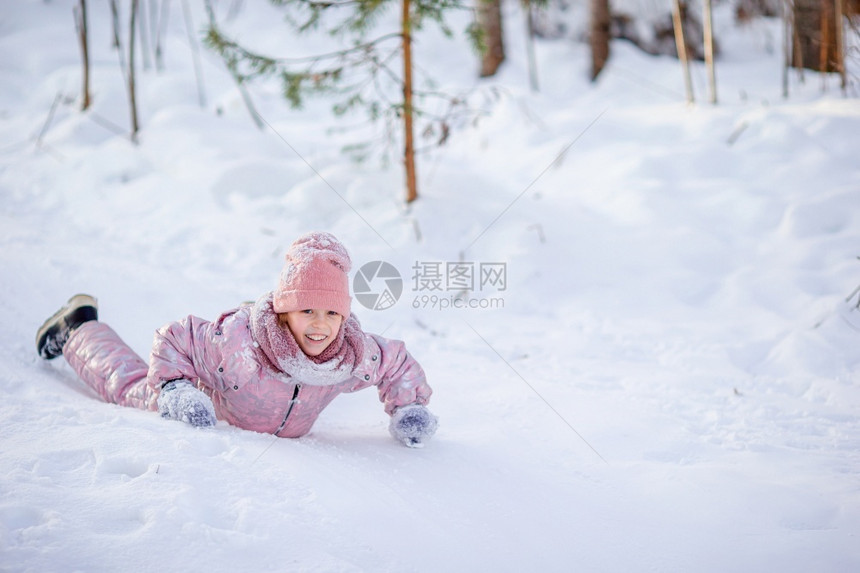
(672, 384)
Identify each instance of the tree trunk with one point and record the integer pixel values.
(681, 45)
(81, 21)
(132, 98)
(409, 146)
(786, 47)
(817, 40)
(195, 53)
(600, 36)
(490, 21)
(143, 30)
(117, 43)
(530, 45)
(840, 46)
(709, 50)
(159, 19)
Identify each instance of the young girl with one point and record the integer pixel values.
(271, 366)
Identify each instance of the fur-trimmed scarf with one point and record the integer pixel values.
(284, 356)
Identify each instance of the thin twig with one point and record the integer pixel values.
(107, 124)
(48, 119)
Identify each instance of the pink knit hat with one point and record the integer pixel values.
(315, 276)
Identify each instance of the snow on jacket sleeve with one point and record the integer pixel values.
(398, 376)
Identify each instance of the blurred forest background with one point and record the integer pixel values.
(370, 65)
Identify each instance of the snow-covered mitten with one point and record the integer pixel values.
(180, 400)
(413, 425)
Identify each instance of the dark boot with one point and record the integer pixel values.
(52, 335)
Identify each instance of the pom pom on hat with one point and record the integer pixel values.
(314, 276)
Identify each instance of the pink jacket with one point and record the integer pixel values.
(260, 380)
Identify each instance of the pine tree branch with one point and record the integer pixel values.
(219, 42)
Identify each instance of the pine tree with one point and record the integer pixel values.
(353, 75)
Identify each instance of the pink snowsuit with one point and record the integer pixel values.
(250, 366)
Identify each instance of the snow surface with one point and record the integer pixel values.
(672, 384)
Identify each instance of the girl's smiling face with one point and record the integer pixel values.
(313, 329)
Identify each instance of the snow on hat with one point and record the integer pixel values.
(314, 276)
